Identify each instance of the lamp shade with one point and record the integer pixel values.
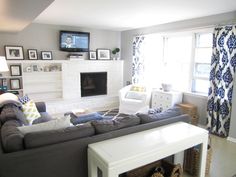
(3, 64)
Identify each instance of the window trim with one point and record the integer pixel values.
(194, 77)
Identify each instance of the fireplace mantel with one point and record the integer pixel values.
(72, 89)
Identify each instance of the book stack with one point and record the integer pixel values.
(76, 57)
(3, 84)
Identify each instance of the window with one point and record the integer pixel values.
(182, 60)
(177, 59)
(202, 65)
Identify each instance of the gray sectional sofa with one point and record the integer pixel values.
(63, 153)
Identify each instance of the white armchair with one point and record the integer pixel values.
(133, 101)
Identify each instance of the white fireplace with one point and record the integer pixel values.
(71, 86)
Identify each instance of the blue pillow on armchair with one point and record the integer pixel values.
(86, 118)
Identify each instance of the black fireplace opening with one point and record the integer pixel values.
(94, 83)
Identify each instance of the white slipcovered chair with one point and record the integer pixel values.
(133, 101)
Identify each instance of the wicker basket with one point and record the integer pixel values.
(197, 158)
(191, 110)
(169, 170)
(192, 158)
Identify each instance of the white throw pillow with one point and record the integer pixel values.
(135, 95)
(7, 98)
(46, 126)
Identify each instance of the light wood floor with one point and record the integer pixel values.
(223, 158)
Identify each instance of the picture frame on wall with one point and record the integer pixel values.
(14, 52)
(104, 54)
(46, 55)
(32, 54)
(15, 84)
(15, 70)
(92, 55)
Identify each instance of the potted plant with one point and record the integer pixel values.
(115, 52)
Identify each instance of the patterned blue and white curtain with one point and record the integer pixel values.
(223, 66)
(138, 59)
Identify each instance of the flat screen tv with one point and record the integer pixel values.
(74, 41)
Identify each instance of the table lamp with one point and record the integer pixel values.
(3, 65)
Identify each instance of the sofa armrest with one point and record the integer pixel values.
(41, 106)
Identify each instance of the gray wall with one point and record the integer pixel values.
(210, 21)
(201, 102)
(46, 37)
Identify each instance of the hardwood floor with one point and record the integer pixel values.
(223, 158)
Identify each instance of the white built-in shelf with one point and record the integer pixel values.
(42, 73)
(39, 85)
(36, 82)
(9, 77)
(43, 91)
(15, 90)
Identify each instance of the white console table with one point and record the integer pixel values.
(118, 155)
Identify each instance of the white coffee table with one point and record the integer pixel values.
(118, 155)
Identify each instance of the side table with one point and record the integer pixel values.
(165, 100)
(191, 110)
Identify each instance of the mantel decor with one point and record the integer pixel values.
(46, 55)
(104, 54)
(32, 54)
(14, 52)
(92, 55)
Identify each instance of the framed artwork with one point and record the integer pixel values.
(14, 52)
(92, 55)
(32, 54)
(46, 55)
(104, 54)
(15, 84)
(15, 70)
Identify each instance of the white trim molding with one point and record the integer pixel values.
(231, 139)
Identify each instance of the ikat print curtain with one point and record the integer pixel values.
(138, 60)
(223, 65)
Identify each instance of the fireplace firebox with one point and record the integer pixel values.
(93, 83)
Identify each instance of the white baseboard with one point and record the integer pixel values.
(231, 139)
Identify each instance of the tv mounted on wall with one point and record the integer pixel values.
(74, 41)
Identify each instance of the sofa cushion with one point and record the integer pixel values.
(45, 117)
(37, 139)
(103, 126)
(46, 126)
(12, 138)
(30, 111)
(172, 112)
(12, 112)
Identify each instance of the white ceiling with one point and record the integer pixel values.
(128, 14)
(15, 15)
